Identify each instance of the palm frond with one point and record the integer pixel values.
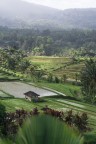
(47, 130)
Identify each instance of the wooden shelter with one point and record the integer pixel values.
(30, 95)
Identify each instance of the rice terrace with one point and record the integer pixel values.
(18, 89)
(58, 96)
(47, 72)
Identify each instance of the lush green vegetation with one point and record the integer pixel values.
(13, 104)
(14, 120)
(48, 63)
(58, 66)
(65, 42)
(38, 67)
(4, 95)
(61, 74)
(59, 102)
(67, 89)
(53, 131)
(88, 80)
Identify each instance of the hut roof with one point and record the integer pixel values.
(31, 94)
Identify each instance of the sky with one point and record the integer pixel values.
(66, 4)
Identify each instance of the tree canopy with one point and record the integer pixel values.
(50, 42)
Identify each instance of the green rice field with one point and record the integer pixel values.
(57, 65)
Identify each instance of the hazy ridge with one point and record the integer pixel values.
(20, 14)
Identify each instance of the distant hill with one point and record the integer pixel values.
(20, 14)
(79, 18)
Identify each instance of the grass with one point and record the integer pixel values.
(48, 63)
(67, 89)
(58, 66)
(70, 70)
(13, 104)
(6, 76)
(55, 65)
(3, 95)
(58, 103)
(54, 103)
(9, 75)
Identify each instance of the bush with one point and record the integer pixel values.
(56, 80)
(50, 78)
(2, 118)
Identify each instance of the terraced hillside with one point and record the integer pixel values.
(17, 89)
(61, 103)
(58, 65)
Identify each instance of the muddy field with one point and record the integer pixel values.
(18, 89)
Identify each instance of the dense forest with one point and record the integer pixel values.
(46, 42)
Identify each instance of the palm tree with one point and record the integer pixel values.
(47, 130)
(88, 80)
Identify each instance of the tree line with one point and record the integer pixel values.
(48, 42)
